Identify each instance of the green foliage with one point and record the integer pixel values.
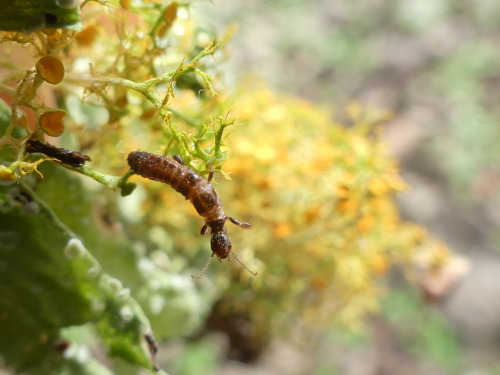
(36, 274)
(196, 359)
(461, 79)
(31, 15)
(424, 331)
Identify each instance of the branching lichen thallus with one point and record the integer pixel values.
(200, 192)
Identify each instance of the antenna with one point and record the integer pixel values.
(200, 275)
(242, 265)
(204, 269)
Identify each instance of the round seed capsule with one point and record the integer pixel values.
(51, 69)
(7, 176)
(169, 15)
(125, 4)
(87, 36)
(52, 122)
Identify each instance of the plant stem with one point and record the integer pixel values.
(113, 182)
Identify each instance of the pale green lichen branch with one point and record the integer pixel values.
(145, 88)
(113, 182)
(219, 155)
(186, 145)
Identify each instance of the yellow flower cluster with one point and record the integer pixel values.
(321, 198)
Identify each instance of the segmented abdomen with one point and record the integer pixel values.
(68, 157)
(182, 178)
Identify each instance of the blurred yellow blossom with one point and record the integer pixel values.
(321, 199)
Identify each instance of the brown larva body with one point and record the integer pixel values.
(153, 349)
(192, 186)
(72, 158)
(182, 179)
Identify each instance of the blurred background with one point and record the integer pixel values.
(327, 105)
(435, 65)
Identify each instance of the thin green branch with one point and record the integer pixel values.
(113, 182)
(219, 155)
(145, 88)
(207, 79)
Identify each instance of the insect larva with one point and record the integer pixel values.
(199, 191)
(153, 349)
(72, 158)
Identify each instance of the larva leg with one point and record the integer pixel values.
(241, 224)
(178, 159)
(210, 176)
(203, 230)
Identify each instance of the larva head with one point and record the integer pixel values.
(220, 244)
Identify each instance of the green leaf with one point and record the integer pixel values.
(43, 287)
(49, 280)
(31, 15)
